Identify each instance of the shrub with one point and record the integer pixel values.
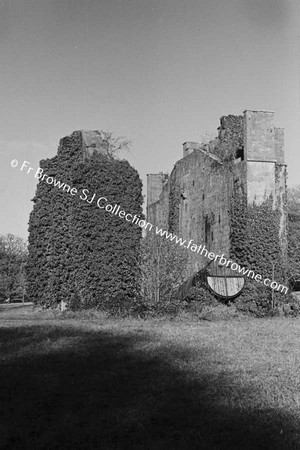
(163, 269)
(258, 300)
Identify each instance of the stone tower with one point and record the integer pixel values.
(194, 201)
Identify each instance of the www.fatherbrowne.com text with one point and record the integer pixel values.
(103, 203)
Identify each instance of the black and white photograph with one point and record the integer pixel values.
(150, 225)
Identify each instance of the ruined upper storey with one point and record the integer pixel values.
(253, 141)
(253, 134)
(93, 141)
(88, 142)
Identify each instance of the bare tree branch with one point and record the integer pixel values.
(115, 144)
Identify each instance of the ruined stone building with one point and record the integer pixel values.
(195, 200)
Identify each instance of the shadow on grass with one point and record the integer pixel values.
(67, 388)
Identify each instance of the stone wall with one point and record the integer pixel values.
(195, 201)
(259, 135)
(155, 183)
(205, 191)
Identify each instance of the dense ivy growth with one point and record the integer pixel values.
(255, 236)
(293, 228)
(79, 253)
(255, 245)
(174, 199)
(254, 229)
(230, 142)
(294, 247)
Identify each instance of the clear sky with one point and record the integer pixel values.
(160, 72)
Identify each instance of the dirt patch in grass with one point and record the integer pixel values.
(98, 383)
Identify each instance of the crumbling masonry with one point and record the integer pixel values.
(195, 200)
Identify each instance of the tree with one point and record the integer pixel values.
(115, 144)
(13, 255)
(163, 269)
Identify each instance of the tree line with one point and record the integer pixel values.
(13, 258)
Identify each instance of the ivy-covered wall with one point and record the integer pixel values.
(230, 194)
(293, 227)
(175, 199)
(254, 236)
(78, 252)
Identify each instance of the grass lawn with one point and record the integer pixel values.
(98, 383)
